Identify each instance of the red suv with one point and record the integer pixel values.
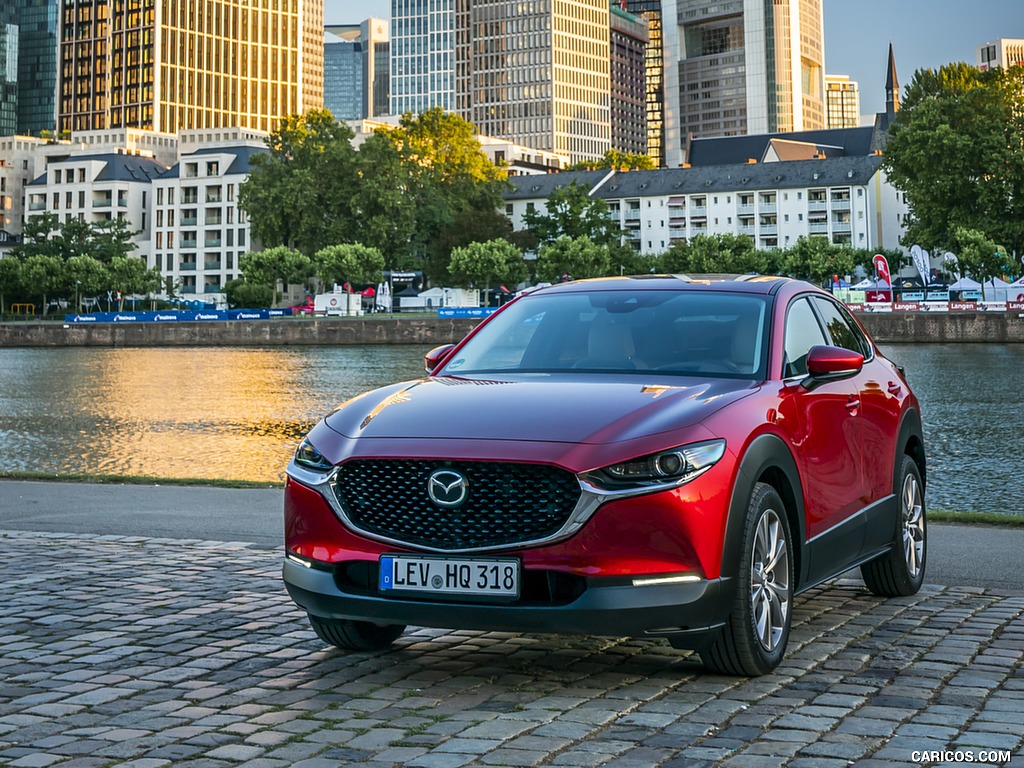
(650, 456)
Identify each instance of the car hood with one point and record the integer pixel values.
(569, 409)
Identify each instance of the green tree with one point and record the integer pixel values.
(84, 276)
(466, 227)
(129, 275)
(37, 237)
(111, 238)
(623, 259)
(618, 161)
(817, 260)
(273, 265)
(298, 194)
(572, 212)
(977, 255)
(243, 295)
(10, 279)
(482, 265)
(352, 263)
(711, 254)
(576, 258)
(957, 150)
(384, 215)
(41, 276)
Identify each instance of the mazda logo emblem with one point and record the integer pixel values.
(447, 488)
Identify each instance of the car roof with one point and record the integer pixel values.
(754, 284)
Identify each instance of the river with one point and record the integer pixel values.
(234, 413)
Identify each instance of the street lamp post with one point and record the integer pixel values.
(78, 307)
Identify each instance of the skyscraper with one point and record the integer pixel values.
(650, 11)
(422, 55)
(37, 66)
(629, 40)
(741, 66)
(356, 70)
(183, 64)
(536, 72)
(1004, 52)
(8, 69)
(842, 102)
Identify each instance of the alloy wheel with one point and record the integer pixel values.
(913, 526)
(769, 580)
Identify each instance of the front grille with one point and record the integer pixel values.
(507, 503)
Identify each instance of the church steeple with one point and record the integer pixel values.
(892, 88)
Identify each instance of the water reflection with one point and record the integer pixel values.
(238, 413)
(207, 413)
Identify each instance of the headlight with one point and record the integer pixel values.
(309, 457)
(668, 468)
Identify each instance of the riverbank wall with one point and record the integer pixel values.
(885, 327)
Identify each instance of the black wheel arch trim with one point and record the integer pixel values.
(910, 427)
(766, 455)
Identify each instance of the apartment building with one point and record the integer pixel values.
(846, 199)
(199, 232)
(22, 159)
(629, 40)
(98, 186)
(842, 102)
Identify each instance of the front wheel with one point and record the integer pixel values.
(900, 572)
(352, 635)
(754, 639)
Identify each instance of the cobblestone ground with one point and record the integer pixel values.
(150, 652)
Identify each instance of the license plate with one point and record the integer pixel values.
(476, 577)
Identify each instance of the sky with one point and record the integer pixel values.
(924, 34)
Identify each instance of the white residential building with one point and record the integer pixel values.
(199, 232)
(846, 199)
(22, 159)
(96, 187)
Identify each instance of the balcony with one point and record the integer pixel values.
(746, 229)
(187, 266)
(188, 289)
(764, 207)
(188, 221)
(188, 244)
(841, 204)
(212, 288)
(211, 265)
(769, 229)
(747, 208)
(101, 202)
(189, 199)
(37, 206)
(699, 210)
(817, 227)
(632, 214)
(212, 242)
(675, 233)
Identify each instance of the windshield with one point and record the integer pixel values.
(673, 332)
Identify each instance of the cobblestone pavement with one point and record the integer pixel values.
(156, 652)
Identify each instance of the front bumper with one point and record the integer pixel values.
(687, 614)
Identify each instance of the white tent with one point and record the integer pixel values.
(999, 290)
(965, 284)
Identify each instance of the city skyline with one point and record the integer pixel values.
(924, 33)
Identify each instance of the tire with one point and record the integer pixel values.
(355, 635)
(753, 640)
(900, 571)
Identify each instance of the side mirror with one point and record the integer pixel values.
(436, 356)
(831, 364)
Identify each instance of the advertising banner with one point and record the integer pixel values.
(466, 311)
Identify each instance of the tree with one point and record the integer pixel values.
(572, 212)
(129, 275)
(297, 194)
(84, 276)
(956, 150)
(273, 265)
(111, 238)
(41, 276)
(575, 258)
(486, 264)
(385, 217)
(240, 294)
(977, 255)
(618, 161)
(353, 263)
(10, 279)
(36, 237)
(466, 227)
(711, 254)
(817, 260)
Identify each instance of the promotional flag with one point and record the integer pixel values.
(882, 268)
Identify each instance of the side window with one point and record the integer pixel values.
(842, 328)
(802, 333)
